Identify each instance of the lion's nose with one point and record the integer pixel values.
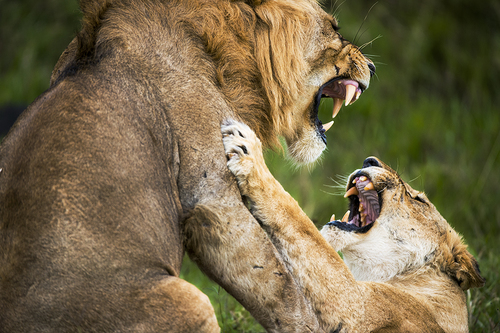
(371, 67)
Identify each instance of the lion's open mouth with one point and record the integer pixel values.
(340, 90)
(364, 206)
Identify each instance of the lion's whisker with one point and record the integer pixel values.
(366, 16)
(336, 10)
(370, 42)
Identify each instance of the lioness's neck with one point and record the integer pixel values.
(440, 292)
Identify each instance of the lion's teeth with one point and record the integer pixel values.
(346, 216)
(336, 106)
(327, 126)
(369, 186)
(352, 191)
(356, 96)
(363, 178)
(350, 91)
(361, 207)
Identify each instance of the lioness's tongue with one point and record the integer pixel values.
(369, 206)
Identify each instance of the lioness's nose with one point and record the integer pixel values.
(371, 162)
(371, 67)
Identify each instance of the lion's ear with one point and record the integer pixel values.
(461, 266)
(254, 3)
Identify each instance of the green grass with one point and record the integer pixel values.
(431, 113)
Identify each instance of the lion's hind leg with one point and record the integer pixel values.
(175, 305)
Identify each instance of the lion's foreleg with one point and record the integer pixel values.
(230, 247)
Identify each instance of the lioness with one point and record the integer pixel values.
(118, 168)
(405, 268)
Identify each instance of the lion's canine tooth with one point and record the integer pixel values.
(346, 216)
(356, 96)
(369, 186)
(327, 126)
(363, 178)
(350, 90)
(337, 104)
(352, 191)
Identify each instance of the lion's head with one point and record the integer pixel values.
(302, 58)
(275, 60)
(392, 229)
(272, 59)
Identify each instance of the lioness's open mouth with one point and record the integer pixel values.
(364, 205)
(340, 90)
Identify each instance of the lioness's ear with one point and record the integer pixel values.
(462, 266)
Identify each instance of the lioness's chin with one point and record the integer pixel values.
(338, 239)
(307, 149)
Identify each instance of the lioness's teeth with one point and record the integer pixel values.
(336, 106)
(352, 191)
(346, 216)
(363, 178)
(350, 90)
(361, 207)
(332, 218)
(369, 186)
(327, 126)
(354, 181)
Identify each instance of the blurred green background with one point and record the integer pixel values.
(431, 112)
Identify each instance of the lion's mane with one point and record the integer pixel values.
(232, 32)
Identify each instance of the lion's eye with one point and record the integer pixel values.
(419, 198)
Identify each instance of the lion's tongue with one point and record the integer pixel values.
(341, 90)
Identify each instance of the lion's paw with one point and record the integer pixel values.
(243, 149)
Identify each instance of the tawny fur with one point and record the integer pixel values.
(118, 168)
(408, 273)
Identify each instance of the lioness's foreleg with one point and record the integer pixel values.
(292, 232)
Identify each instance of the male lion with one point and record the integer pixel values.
(119, 166)
(405, 268)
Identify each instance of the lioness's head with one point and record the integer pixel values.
(300, 57)
(392, 229)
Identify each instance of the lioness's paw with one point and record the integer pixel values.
(243, 149)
